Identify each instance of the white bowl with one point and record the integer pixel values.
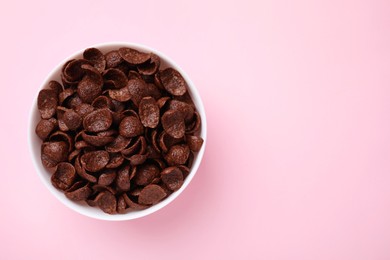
(35, 143)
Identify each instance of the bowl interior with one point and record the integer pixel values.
(82, 208)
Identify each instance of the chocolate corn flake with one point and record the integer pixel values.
(115, 77)
(54, 153)
(80, 170)
(166, 141)
(186, 109)
(98, 120)
(151, 194)
(95, 161)
(62, 136)
(45, 127)
(73, 154)
(82, 145)
(173, 82)
(118, 144)
(73, 70)
(121, 95)
(96, 140)
(173, 123)
(80, 194)
(113, 59)
(65, 95)
(172, 177)
(133, 56)
(177, 154)
(130, 126)
(162, 101)
(96, 57)
(120, 131)
(194, 142)
(116, 160)
(133, 75)
(150, 67)
(121, 205)
(107, 177)
(149, 112)
(132, 204)
(77, 185)
(107, 202)
(64, 176)
(56, 86)
(123, 179)
(137, 159)
(145, 174)
(71, 119)
(102, 102)
(73, 101)
(194, 126)
(83, 109)
(138, 89)
(88, 89)
(136, 146)
(47, 103)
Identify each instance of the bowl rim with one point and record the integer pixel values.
(93, 212)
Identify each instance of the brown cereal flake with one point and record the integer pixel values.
(151, 195)
(186, 109)
(121, 95)
(194, 142)
(173, 123)
(150, 67)
(131, 204)
(88, 89)
(137, 159)
(47, 103)
(116, 160)
(83, 109)
(121, 205)
(80, 170)
(96, 140)
(56, 86)
(107, 177)
(113, 59)
(102, 102)
(95, 56)
(80, 194)
(74, 71)
(118, 144)
(65, 95)
(173, 82)
(45, 127)
(177, 154)
(64, 176)
(107, 202)
(123, 179)
(172, 177)
(130, 126)
(95, 161)
(116, 77)
(71, 119)
(145, 174)
(137, 89)
(133, 56)
(98, 120)
(53, 153)
(149, 112)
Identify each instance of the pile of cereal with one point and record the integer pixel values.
(119, 132)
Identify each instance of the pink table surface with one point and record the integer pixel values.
(297, 98)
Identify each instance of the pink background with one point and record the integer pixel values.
(297, 98)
